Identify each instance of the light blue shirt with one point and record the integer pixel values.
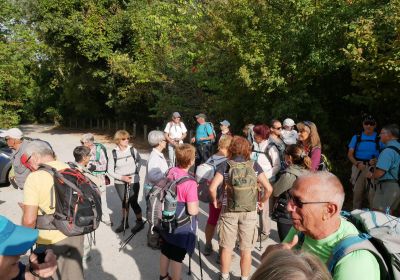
(202, 131)
(389, 161)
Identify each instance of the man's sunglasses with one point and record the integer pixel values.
(298, 203)
(371, 123)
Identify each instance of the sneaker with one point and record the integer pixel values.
(138, 227)
(222, 278)
(207, 249)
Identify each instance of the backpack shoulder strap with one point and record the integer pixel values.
(354, 243)
(133, 153)
(358, 140)
(114, 154)
(394, 149)
(266, 151)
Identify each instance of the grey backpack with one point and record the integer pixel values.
(380, 234)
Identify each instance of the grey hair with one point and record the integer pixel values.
(392, 129)
(327, 184)
(298, 265)
(155, 137)
(40, 148)
(87, 138)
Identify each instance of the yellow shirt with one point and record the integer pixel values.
(37, 191)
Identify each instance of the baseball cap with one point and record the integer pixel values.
(15, 133)
(15, 240)
(288, 122)
(225, 123)
(176, 115)
(201, 115)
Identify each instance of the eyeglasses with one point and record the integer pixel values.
(298, 203)
(370, 123)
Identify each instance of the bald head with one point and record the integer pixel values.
(322, 186)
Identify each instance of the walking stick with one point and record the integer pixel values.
(200, 263)
(260, 221)
(190, 265)
(125, 207)
(123, 244)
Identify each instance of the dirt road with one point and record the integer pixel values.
(136, 261)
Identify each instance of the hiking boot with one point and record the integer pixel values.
(222, 278)
(121, 227)
(138, 227)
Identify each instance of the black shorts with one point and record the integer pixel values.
(173, 252)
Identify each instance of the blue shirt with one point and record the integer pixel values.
(366, 149)
(389, 161)
(202, 131)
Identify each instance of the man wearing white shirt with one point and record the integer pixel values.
(175, 131)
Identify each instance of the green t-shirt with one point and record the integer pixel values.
(358, 265)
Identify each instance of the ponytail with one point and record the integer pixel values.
(298, 155)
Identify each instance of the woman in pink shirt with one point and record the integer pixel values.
(309, 139)
(183, 240)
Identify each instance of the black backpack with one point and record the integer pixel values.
(359, 140)
(77, 203)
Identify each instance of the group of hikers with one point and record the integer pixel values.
(275, 171)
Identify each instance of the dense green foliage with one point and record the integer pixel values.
(243, 60)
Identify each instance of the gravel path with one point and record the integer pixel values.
(136, 261)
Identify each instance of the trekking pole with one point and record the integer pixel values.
(126, 205)
(190, 265)
(260, 221)
(123, 244)
(200, 263)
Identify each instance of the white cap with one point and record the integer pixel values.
(14, 133)
(288, 122)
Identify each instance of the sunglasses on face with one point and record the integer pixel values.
(298, 203)
(370, 123)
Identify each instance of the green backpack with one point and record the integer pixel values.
(241, 187)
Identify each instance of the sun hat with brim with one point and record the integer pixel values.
(225, 123)
(288, 122)
(14, 133)
(201, 115)
(176, 115)
(15, 240)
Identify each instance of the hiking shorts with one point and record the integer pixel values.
(173, 252)
(213, 214)
(238, 224)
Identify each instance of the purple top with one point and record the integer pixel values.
(315, 156)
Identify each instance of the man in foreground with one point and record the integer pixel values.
(315, 204)
(38, 195)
